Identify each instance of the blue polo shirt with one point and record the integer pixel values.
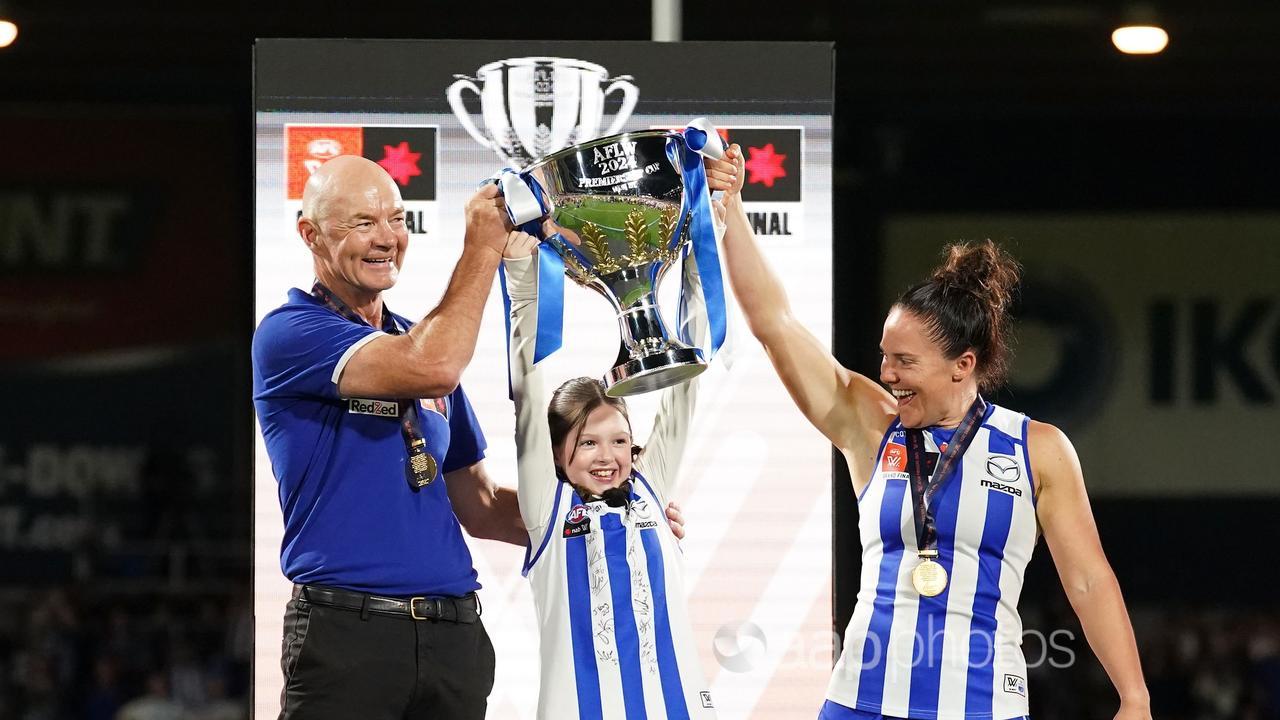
(350, 518)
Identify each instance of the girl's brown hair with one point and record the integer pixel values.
(572, 403)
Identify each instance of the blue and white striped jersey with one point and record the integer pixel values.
(608, 583)
(615, 635)
(956, 656)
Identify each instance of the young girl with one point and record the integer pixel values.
(606, 570)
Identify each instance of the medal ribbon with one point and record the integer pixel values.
(924, 486)
(415, 441)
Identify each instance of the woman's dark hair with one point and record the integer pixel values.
(573, 402)
(965, 306)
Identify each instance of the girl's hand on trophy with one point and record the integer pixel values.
(675, 519)
(550, 229)
(721, 212)
(519, 244)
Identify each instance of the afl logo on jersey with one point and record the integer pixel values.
(577, 521)
(895, 458)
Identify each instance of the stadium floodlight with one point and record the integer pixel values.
(1140, 34)
(8, 26)
(1140, 39)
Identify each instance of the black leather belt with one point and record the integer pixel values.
(464, 609)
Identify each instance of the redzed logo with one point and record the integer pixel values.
(895, 458)
(381, 408)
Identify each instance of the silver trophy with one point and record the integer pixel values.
(534, 106)
(616, 207)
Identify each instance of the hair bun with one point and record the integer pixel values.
(965, 306)
(983, 269)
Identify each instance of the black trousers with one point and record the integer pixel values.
(340, 665)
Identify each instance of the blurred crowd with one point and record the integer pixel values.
(65, 654)
(1205, 663)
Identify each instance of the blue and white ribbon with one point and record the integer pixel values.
(701, 138)
(523, 201)
(526, 208)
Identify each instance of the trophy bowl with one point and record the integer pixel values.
(617, 218)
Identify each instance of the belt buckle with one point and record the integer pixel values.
(413, 608)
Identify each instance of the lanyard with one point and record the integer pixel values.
(924, 486)
(420, 467)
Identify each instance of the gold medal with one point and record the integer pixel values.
(421, 464)
(929, 578)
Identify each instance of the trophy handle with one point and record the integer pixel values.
(629, 96)
(454, 95)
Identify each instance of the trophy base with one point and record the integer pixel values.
(654, 372)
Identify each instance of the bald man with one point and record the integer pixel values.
(379, 460)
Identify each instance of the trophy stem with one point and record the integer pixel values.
(647, 359)
(643, 332)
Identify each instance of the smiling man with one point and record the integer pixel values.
(379, 460)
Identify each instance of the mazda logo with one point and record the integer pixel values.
(1003, 467)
